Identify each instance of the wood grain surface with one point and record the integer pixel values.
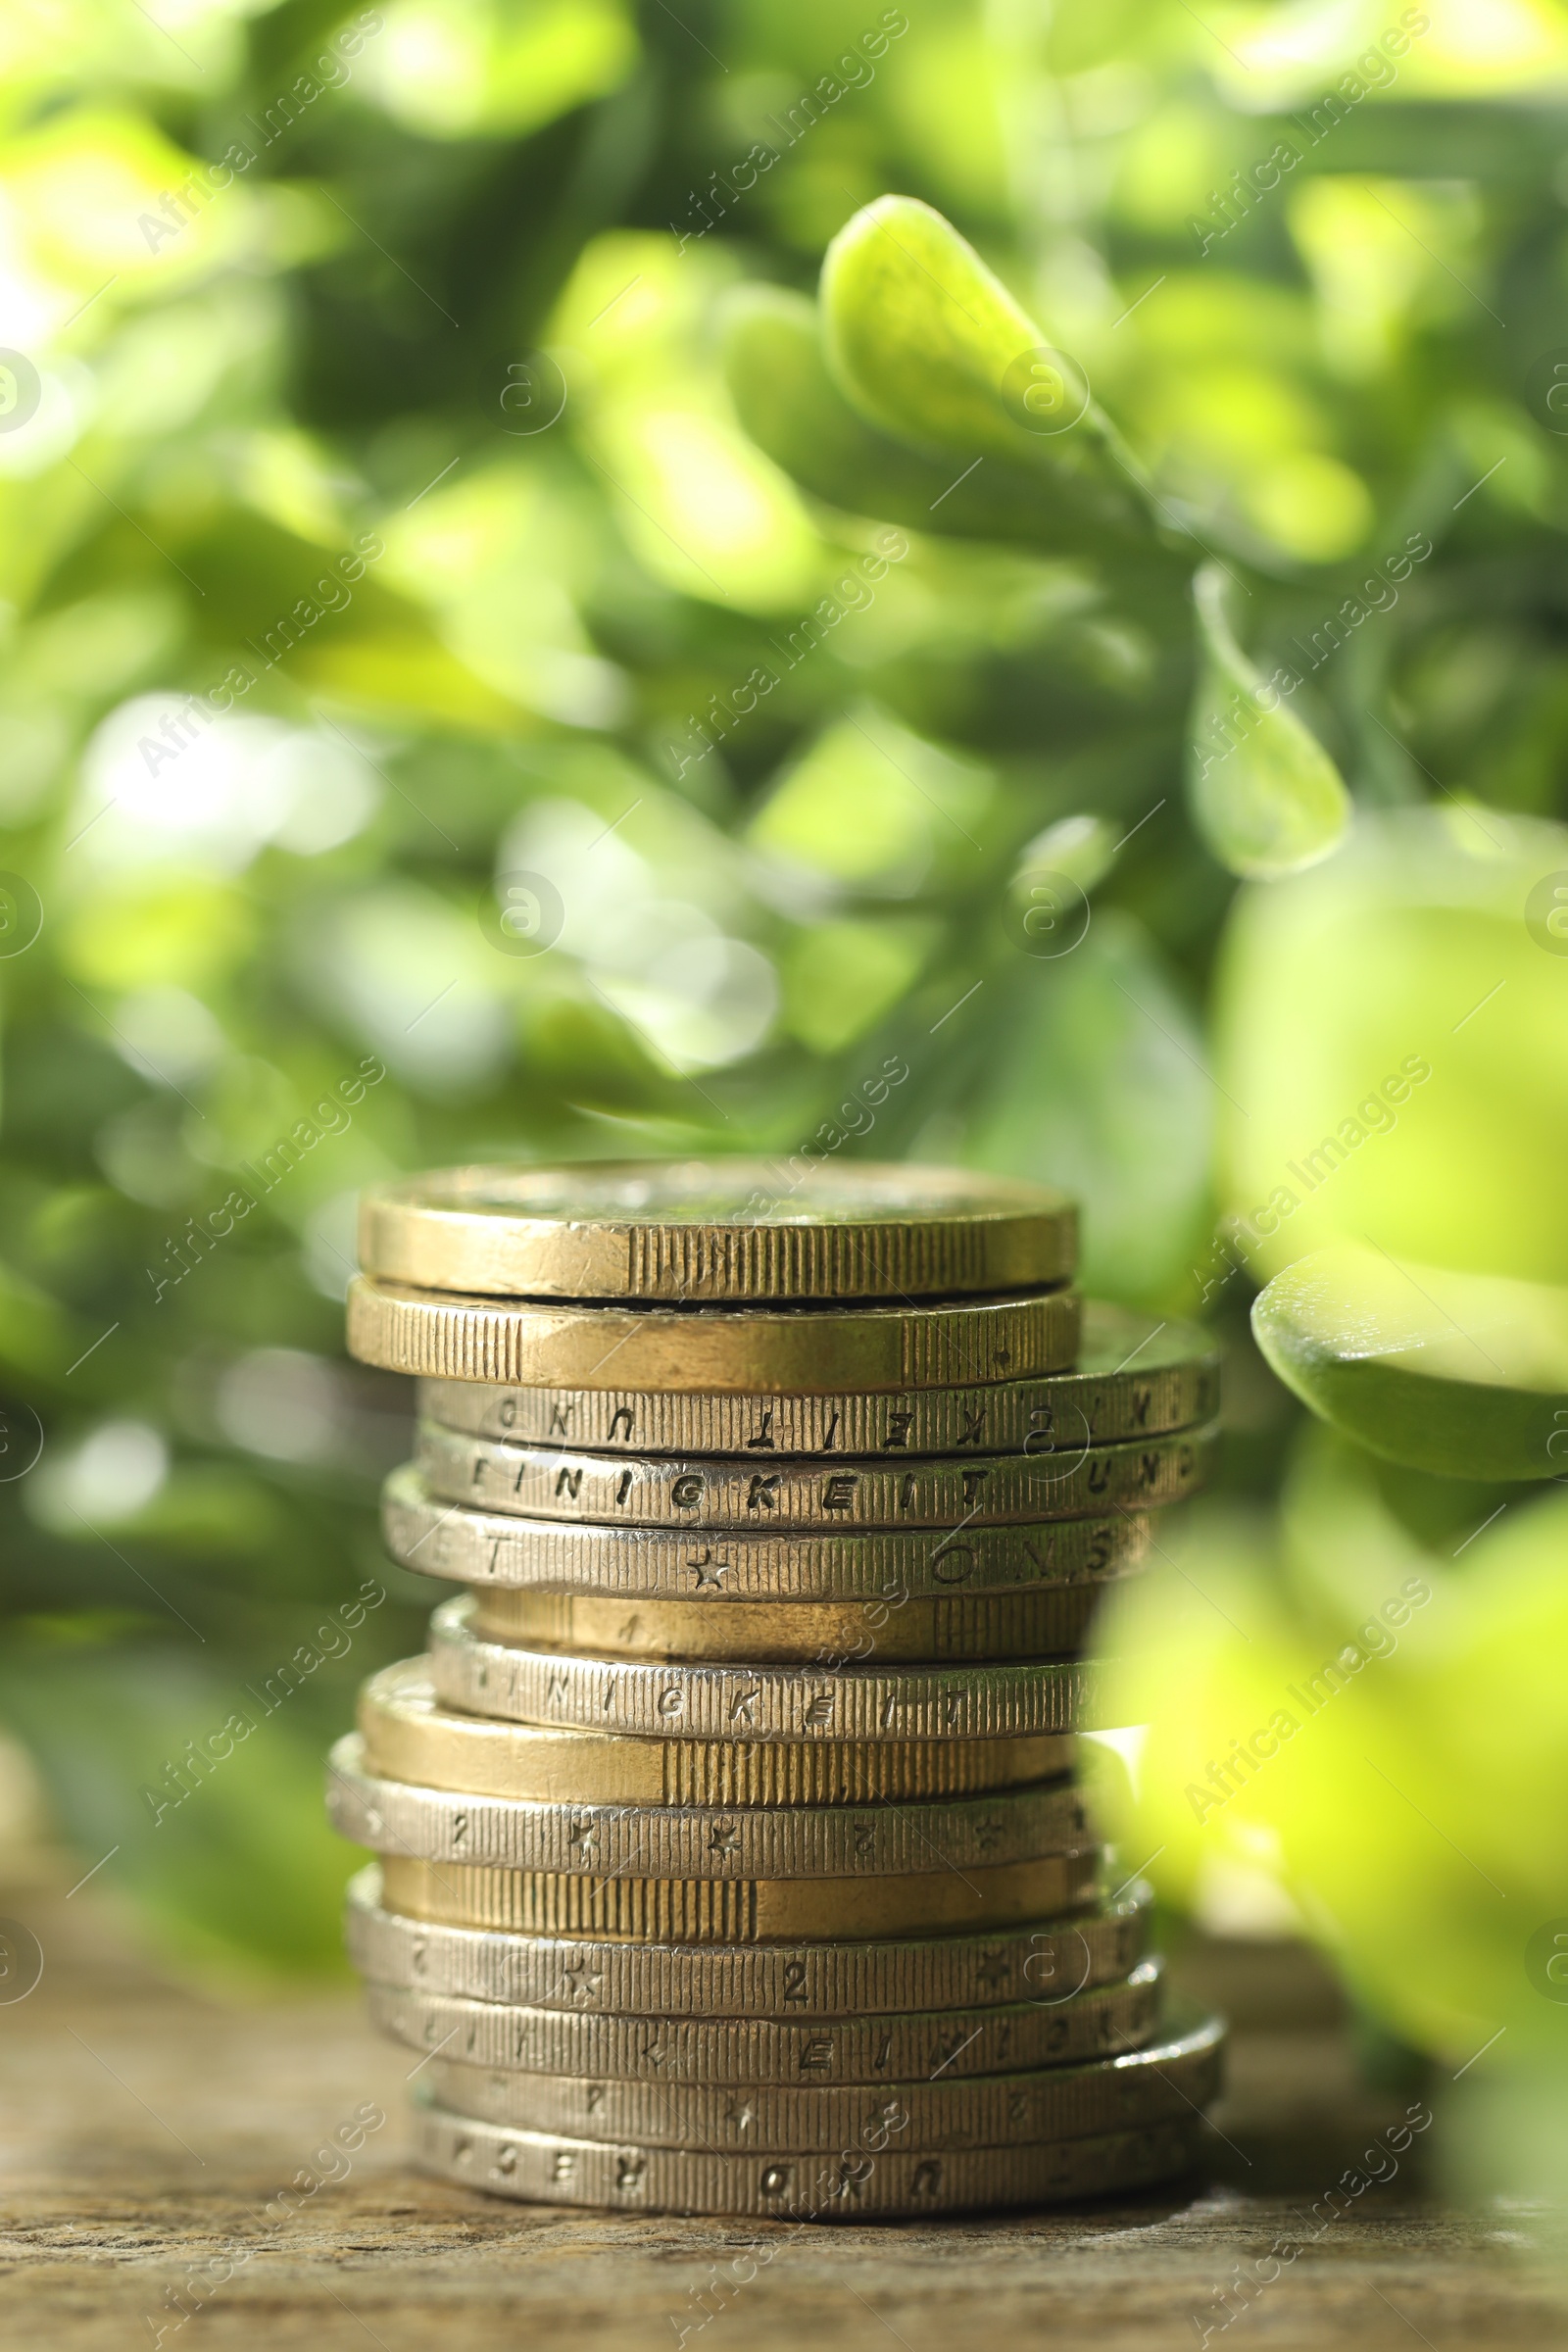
(145, 2128)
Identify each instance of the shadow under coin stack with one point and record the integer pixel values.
(731, 1860)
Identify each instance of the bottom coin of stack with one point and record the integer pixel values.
(877, 1977)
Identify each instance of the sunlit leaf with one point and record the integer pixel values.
(871, 805)
(1267, 797)
(791, 405)
(1389, 1034)
(931, 347)
(475, 67)
(1465, 1375)
(1083, 848)
(1392, 1758)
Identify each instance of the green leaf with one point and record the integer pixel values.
(1091, 1077)
(1266, 795)
(1083, 848)
(931, 347)
(231, 1862)
(788, 402)
(1464, 1375)
(1394, 1033)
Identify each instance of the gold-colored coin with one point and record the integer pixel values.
(875, 2181)
(1133, 2089)
(1134, 1378)
(409, 1735)
(892, 1565)
(546, 1481)
(700, 1842)
(824, 1633)
(754, 1703)
(716, 1230)
(1097, 2021)
(927, 1902)
(453, 1337)
(1040, 1966)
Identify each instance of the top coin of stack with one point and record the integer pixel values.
(719, 1232)
(782, 1516)
(592, 1278)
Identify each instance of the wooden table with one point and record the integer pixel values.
(145, 2128)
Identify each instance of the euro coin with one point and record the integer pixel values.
(716, 1230)
(1040, 1965)
(1158, 2084)
(657, 1841)
(1134, 1378)
(935, 1901)
(879, 2181)
(474, 1546)
(409, 1735)
(729, 2052)
(824, 1632)
(796, 1703)
(546, 1481)
(465, 1337)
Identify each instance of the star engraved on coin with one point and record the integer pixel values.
(725, 1838)
(743, 2115)
(711, 1573)
(582, 1982)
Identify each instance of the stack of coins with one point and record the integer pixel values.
(732, 1860)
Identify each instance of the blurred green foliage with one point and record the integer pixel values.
(437, 529)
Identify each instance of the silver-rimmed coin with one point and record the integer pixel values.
(474, 1546)
(764, 1703)
(656, 1842)
(1042, 1965)
(858, 2184)
(409, 1737)
(545, 1482)
(1165, 2080)
(731, 2051)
